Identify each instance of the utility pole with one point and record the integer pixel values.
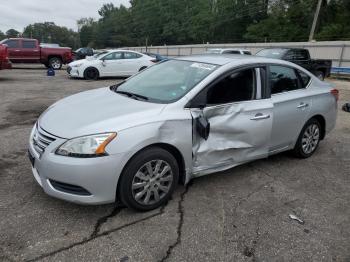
(314, 23)
(146, 43)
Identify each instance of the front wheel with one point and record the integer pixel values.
(149, 179)
(91, 73)
(308, 139)
(55, 63)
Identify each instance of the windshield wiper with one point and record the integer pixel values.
(132, 95)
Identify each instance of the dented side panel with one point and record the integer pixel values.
(238, 133)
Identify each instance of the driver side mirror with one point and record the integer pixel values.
(202, 127)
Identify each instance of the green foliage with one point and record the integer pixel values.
(2, 35)
(160, 22)
(48, 32)
(11, 33)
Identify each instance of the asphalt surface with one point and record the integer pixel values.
(238, 215)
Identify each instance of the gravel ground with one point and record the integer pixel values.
(238, 215)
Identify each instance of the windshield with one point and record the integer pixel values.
(168, 81)
(100, 54)
(272, 53)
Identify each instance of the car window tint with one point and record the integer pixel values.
(289, 55)
(12, 43)
(305, 78)
(113, 56)
(29, 44)
(238, 86)
(300, 55)
(129, 55)
(232, 52)
(247, 53)
(283, 79)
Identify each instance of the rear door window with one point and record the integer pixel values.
(130, 55)
(28, 44)
(283, 79)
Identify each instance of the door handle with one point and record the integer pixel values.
(260, 116)
(303, 105)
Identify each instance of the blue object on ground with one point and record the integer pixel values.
(50, 72)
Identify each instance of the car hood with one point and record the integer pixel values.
(96, 111)
(77, 62)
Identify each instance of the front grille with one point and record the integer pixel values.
(41, 140)
(68, 188)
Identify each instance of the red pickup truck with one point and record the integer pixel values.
(4, 59)
(25, 50)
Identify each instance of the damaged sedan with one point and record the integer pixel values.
(182, 118)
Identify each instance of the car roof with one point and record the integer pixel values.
(229, 49)
(222, 59)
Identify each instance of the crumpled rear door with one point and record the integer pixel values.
(239, 132)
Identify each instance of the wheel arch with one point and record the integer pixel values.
(52, 56)
(168, 147)
(322, 122)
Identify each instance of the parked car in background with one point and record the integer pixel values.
(179, 119)
(25, 50)
(82, 53)
(157, 57)
(235, 51)
(112, 63)
(4, 59)
(319, 67)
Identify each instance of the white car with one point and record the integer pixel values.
(235, 51)
(115, 63)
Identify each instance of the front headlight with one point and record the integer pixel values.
(86, 146)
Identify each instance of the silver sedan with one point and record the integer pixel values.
(179, 119)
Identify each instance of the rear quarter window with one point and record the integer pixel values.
(305, 78)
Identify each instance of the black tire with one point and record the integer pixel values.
(91, 73)
(300, 146)
(46, 65)
(142, 68)
(55, 63)
(130, 178)
(319, 75)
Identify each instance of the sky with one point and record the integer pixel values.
(17, 14)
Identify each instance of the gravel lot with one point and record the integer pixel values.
(238, 215)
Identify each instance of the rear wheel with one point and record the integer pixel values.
(149, 179)
(308, 139)
(91, 73)
(320, 75)
(55, 63)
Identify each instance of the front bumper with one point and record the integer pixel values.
(74, 72)
(97, 176)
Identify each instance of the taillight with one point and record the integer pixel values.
(335, 93)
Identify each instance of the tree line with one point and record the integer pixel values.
(165, 22)
(169, 22)
(46, 32)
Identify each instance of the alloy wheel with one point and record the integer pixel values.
(55, 63)
(152, 182)
(310, 138)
